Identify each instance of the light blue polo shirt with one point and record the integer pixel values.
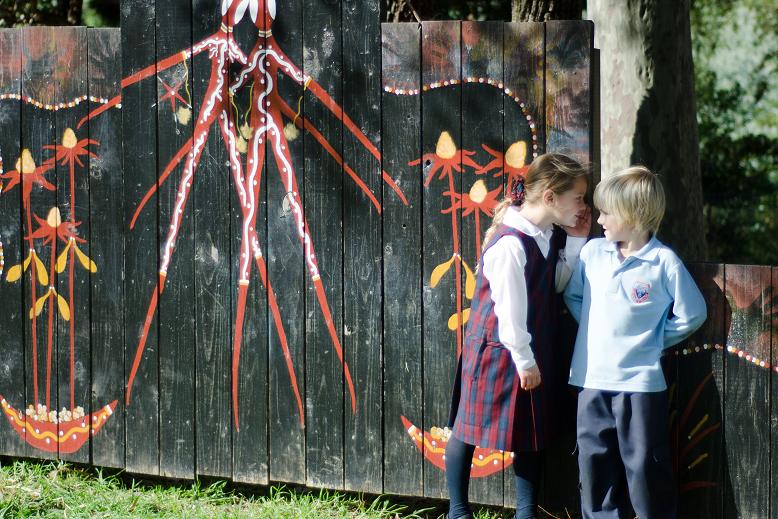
(624, 315)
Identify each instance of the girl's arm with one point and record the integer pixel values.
(576, 239)
(568, 259)
(503, 266)
(689, 309)
(575, 289)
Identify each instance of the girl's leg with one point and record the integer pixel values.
(526, 466)
(459, 457)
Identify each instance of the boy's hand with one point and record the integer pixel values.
(583, 225)
(529, 378)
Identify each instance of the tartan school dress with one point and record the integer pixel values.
(489, 409)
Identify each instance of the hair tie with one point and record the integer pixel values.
(517, 191)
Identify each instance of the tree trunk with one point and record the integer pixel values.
(648, 113)
(542, 10)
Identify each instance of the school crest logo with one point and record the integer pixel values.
(640, 292)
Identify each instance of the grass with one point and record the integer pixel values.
(58, 489)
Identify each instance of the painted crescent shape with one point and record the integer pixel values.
(240, 11)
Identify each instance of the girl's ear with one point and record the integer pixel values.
(548, 197)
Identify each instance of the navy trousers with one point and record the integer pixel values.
(624, 455)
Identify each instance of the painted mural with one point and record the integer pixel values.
(479, 102)
(263, 121)
(55, 260)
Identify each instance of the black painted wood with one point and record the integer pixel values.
(287, 273)
(441, 142)
(176, 312)
(772, 311)
(106, 247)
(139, 124)
(38, 130)
(327, 396)
(747, 390)
(73, 279)
(250, 443)
(482, 125)
(568, 94)
(402, 225)
(699, 396)
(362, 270)
(13, 316)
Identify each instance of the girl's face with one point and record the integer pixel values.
(570, 205)
(613, 227)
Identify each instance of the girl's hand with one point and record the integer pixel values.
(583, 225)
(529, 378)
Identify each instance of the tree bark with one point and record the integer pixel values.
(542, 10)
(648, 113)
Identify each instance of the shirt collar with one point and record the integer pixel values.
(514, 219)
(647, 252)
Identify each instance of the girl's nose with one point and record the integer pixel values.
(600, 219)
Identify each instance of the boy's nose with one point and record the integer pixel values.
(600, 219)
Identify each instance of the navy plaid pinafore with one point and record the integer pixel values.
(489, 408)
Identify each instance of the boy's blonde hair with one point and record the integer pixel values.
(553, 171)
(635, 195)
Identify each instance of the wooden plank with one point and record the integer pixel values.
(38, 130)
(72, 281)
(250, 442)
(747, 389)
(524, 68)
(402, 299)
(523, 125)
(287, 274)
(329, 391)
(568, 112)
(441, 111)
(482, 130)
(139, 126)
(772, 311)
(362, 279)
(13, 313)
(699, 392)
(106, 247)
(568, 92)
(176, 314)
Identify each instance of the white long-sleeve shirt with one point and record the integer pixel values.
(503, 266)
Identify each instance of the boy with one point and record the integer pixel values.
(633, 298)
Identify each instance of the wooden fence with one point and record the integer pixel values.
(192, 308)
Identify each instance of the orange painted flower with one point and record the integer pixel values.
(446, 159)
(71, 149)
(479, 198)
(28, 174)
(512, 162)
(52, 228)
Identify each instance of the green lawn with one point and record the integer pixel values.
(56, 489)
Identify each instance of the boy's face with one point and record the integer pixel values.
(614, 227)
(570, 204)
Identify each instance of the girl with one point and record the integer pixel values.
(505, 389)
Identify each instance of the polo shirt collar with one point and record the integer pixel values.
(646, 253)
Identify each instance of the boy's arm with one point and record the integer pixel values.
(568, 258)
(689, 309)
(575, 289)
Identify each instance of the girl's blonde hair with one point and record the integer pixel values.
(635, 195)
(553, 171)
